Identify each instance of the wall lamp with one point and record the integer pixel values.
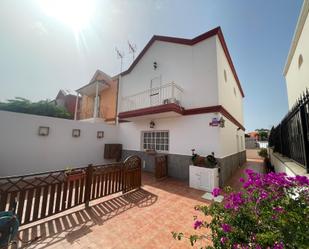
(43, 131)
(76, 133)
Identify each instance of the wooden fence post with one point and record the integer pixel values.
(123, 172)
(89, 173)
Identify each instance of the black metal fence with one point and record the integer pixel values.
(291, 137)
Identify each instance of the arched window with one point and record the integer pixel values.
(225, 76)
(300, 61)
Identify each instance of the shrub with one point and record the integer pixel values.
(43, 108)
(263, 153)
(270, 211)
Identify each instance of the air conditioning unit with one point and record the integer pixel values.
(170, 101)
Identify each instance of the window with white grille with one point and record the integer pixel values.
(155, 140)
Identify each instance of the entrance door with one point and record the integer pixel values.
(155, 91)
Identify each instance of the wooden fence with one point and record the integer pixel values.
(38, 196)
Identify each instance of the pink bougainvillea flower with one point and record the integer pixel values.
(226, 228)
(278, 209)
(224, 240)
(197, 224)
(216, 192)
(278, 245)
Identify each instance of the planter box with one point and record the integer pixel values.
(73, 176)
(203, 178)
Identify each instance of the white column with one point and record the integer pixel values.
(95, 111)
(76, 106)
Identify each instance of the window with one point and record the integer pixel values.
(300, 61)
(234, 91)
(225, 76)
(155, 140)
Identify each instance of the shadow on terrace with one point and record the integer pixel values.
(73, 226)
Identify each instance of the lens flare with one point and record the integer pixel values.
(74, 13)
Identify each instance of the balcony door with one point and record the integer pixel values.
(155, 90)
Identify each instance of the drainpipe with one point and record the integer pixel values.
(95, 111)
(76, 107)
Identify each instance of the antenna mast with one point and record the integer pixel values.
(120, 56)
(132, 49)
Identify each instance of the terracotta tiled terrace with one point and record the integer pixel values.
(143, 218)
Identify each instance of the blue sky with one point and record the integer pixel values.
(40, 54)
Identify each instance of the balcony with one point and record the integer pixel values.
(163, 101)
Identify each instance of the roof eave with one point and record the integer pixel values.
(190, 42)
(299, 28)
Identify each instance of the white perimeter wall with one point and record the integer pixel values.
(297, 79)
(286, 165)
(22, 151)
(194, 68)
(185, 133)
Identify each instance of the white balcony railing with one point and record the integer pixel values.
(165, 94)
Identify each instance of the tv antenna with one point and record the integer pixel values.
(132, 49)
(120, 56)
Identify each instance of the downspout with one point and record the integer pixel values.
(95, 111)
(76, 106)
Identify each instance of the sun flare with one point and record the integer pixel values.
(74, 13)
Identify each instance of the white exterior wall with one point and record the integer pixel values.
(231, 102)
(185, 133)
(193, 68)
(23, 151)
(229, 143)
(297, 79)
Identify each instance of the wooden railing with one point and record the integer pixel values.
(38, 196)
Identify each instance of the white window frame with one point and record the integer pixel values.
(164, 144)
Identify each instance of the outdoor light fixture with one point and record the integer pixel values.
(152, 124)
(222, 122)
(100, 134)
(43, 131)
(155, 65)
(76, 133)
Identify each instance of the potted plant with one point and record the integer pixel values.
(196, 159)
(208, 161)
(72, 175)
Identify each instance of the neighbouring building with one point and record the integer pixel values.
(296, 70)
(99, 98)
(183, 94)
(68, 100)
(289, 141)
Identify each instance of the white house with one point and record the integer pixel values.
(296, 70)
(170, 98)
